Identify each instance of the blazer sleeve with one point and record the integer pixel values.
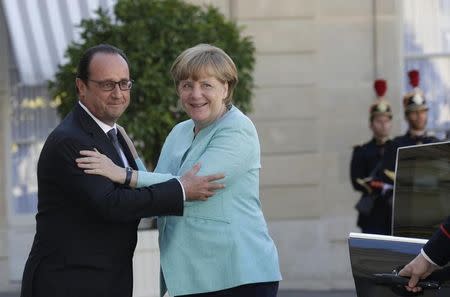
(112, 201)
(232, 151)
(438, 247)
(146, 178)
(140, 165)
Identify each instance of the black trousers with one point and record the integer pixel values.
(269, 289)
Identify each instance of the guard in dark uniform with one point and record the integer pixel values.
(374, 211)
(416, 114)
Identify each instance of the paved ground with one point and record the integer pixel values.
(7, 294)
(315, 294)
(280, 294)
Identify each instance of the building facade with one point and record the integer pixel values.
(316, 62)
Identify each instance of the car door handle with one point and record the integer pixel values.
(395, 279)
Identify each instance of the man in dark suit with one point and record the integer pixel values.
(86, 228)
(435, 253)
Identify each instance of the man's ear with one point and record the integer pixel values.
(81, 87)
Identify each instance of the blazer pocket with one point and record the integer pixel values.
(221, 220)
(205, 239)
(212, 209)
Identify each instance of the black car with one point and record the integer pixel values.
(421, 204)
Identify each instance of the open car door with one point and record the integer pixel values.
(376, 260)
(421, 202)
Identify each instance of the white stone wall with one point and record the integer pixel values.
(146, 265)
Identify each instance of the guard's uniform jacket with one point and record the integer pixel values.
(365, 158)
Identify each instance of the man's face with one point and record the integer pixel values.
(107, 106)
(381, 126)
(417, 120)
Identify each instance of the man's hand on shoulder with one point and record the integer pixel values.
(200, 187)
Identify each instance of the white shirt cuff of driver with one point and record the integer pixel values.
(184, 193)
(427, 258)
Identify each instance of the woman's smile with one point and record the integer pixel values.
(203, 99)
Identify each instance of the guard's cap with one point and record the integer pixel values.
(414, 100)
(381, 105)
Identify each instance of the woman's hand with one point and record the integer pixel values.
(95, 163)
(128, 141)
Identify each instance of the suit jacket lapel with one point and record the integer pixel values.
(100, 140)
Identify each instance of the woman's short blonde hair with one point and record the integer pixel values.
(206, 59)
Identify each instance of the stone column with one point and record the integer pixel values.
(5, 111)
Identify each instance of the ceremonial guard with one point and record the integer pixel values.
(416, 115)
(373, 208)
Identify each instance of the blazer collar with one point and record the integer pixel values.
(88, 124)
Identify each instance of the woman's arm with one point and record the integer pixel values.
(142, 178)
(193, 187)
(94, 162)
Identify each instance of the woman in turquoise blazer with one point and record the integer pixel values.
(219, 247)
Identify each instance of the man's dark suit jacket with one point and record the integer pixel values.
(86, 228)
(438, 247)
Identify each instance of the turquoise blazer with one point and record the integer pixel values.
(222, 242)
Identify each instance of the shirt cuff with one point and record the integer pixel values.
(427, 258)
(184, 193)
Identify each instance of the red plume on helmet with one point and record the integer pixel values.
(381, 105)
(414, 100)
(380, 87)
(414, 78)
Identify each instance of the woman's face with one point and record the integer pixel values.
(203, 99)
